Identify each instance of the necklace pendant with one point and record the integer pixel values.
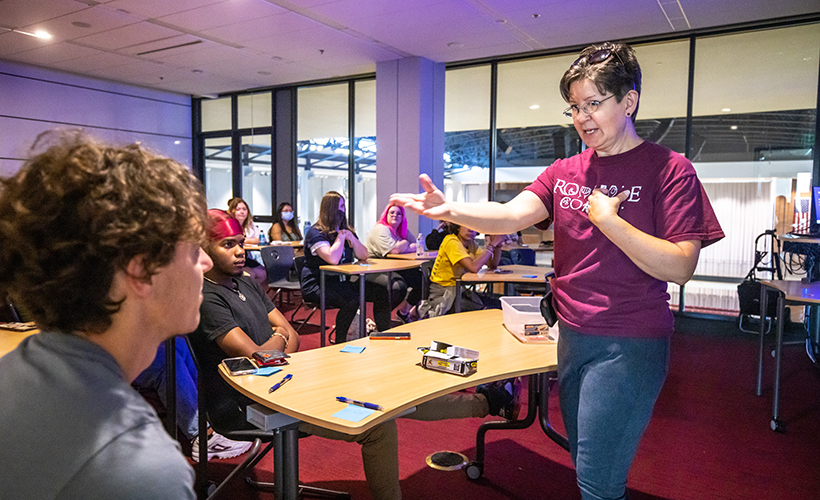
(241, 296)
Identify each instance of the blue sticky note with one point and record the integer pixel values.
(268, 370)
(353, 413)
(530, 276)
(353, 348)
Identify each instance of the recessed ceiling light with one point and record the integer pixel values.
(263, 73)
(536, 16)
(197, 71)
(726, 110)
(501, 21)
(176, 142)
(535, 106)
(80, 24)
(733, 127)
(37, 34)
(455, 45)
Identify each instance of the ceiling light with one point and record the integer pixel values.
(197, 71)
(733, 127)
(263, 73)
(455, 45)
(535, 106)
(80, 24)
(37, 34)
(726, 110)
(176, 142)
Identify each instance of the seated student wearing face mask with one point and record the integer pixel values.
(284, 226)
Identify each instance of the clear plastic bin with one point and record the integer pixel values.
(520, 311)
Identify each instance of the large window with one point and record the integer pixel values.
(322, 146)
(366, 211)
(466, 134)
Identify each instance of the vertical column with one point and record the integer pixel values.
(409, 129)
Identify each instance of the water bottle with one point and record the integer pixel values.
(307, 226)
(262, 240)
(419, 246)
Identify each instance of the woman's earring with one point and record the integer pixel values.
(629, 114)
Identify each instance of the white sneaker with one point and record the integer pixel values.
(220, 447)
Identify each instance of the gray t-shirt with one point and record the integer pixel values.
(380, 241)
(72, 427)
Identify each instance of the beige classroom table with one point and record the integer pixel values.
(360, 268)
(788, 292)
(519, 274)
(389, 373)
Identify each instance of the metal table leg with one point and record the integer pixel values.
(286, 463)
(322, 306)
(458, 295)
(778, 349)
(764, 302)
(362, 311)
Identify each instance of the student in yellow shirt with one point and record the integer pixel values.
(459, 254)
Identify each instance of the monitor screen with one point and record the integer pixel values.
(815, 198)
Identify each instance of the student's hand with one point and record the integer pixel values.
(603, 207)
(431, 203)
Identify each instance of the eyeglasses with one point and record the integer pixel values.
(598, 57)
(588, 107)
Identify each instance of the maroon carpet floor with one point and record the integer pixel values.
(709, 437)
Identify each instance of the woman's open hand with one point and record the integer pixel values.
(431, 203)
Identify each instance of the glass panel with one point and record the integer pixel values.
(466, 134)
(216, 114)
(753, 136)
(322, 146)
(256, 175)
(367, 210)
(218, 172)
(532, 131)
(255, 110)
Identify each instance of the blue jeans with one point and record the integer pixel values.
(607, 388)
(154, 378)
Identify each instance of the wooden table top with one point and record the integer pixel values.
(795, 290)
(389, 372)
(9, 340)
(372, 266)
(294, 244)
(519, 274)
(412, 256)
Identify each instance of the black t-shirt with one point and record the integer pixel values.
(310, 273)
(221, 311)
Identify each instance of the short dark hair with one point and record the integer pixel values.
(79, 211)
(618, 74)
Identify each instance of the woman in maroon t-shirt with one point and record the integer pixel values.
(629, 216)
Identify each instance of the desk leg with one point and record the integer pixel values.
(764, 302)
(425, 279)
(171, 386)
(322, 306)
(389, 294)
(778, 349)
(458, 296)
(286, 463)
(362, 311)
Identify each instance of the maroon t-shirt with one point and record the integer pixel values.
(598, 289)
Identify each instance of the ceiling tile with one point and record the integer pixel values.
(280, 24)
(17, 13)
(153, 9)
(61, 28)
(12, 43)
(222, 14)
(128, 36)
(53, 53)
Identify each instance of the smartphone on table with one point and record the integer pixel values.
(239, 366)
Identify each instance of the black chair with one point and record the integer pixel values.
(299, 262)
(8, 313)
(205, 488)
(278, 262)
(526, 257)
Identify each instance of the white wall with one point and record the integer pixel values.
(34, 99)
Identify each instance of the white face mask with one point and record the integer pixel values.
(287, 216)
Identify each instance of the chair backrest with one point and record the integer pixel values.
(523, 256)
(278, 260)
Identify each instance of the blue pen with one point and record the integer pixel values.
(281, 383)
(370, 406)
